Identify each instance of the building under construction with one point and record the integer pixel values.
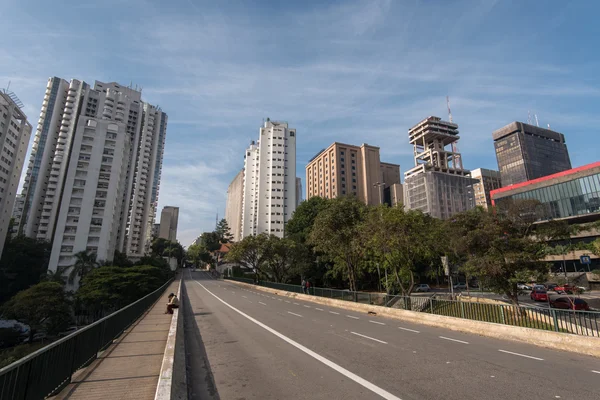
(438, 184)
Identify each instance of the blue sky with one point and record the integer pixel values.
(349, 71)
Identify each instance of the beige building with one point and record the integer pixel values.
(396, 194)
(168, 223)
(344, 169)
(488, 180)
(233, 209)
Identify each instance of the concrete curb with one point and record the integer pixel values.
(586, 345)
(172, 381)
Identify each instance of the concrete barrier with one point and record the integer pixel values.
(553, 340)
(172, 381)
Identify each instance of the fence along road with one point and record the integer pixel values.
(252, 351)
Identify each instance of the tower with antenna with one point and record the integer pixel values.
(456, 155)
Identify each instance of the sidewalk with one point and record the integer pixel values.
(128, 369)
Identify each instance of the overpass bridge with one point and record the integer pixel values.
(232, 340)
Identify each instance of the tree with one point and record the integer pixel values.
(336, 233)
(224, 232)
(24, 261)
(211, 241)
(84, 263)
(500, 246)
(282, 255)
(165, 248)
(41, 306)
(404, 241)
(198, 255)
(121, 260)
(252, 252)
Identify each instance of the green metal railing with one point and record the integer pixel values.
(585, 323)
(48, 370)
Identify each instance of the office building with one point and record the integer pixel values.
(438, 184)
(269, 194)
(525, 152)
(15, 132)
(168, 223)
(343, 169)
(394, 195)
(572, 196)
(93, 177)
(488, 180)
(233, 209)
(298, 191)
(155, 231)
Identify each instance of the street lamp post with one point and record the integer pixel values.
(379, 185)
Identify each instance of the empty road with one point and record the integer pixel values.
(247, 344)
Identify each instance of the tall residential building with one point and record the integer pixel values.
(94, 172)
(168, 223)
(487, 180)
(298, 191)
(438, 184)
(525, 152)
(233, 208)
(269, 194)
(344, 169)
(15, 132)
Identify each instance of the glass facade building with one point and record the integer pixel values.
(569, 194)
(525, 152)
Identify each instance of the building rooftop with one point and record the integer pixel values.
(530, 129)
(545, 178)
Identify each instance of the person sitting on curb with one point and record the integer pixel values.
(173, 303)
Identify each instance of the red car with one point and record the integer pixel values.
(566, 289)
(569, 303)
(539, 295)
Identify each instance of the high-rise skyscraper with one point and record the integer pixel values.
(525, 152)
(94, 172)
(298, 191)
(438, 184)
(15, 132)
(488, 180)
(269, 196)
(233, 209)
(348, 170)
(168, 223)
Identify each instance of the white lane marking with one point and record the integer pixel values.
(352, 316)
(279, 299)
(368, 337)
(307, 306)
(233, 292)
(244, 297)
(273, 297)
(297, 304)
(248, 300)
(293, 313)
(260, 302)
(596, 372)
(521, 355)
(454, 340)
(363, 382)
(333, 312)
(287, 302)
(375, 322)
(410, 330)
(320, 309)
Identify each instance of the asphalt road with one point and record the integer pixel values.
(248, 344)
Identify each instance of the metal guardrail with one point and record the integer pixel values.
(48, 370)
(585, 323)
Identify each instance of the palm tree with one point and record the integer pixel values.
(55, 276)
(84, 263)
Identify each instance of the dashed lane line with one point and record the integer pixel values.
(297, 315)
(377, 322)
(409, 330)
(521, 355)
(368, 337)
(454, 340)
(352, 316)
(260, 302)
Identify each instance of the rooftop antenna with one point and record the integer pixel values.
(217, 219)
(448, 105)
(548, 126)
(537, 123)
(455, 156)
(8, 86)
(529, 117)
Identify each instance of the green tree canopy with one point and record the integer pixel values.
(224, 232)
(24, 262)
(336, 234)
(300, 225)
(165, 248)
(43, 306)
(85, 262)
(252, 252)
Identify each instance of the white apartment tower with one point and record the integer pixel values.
(233, 209)
(92, 181)
(269, 195)
(15, 132)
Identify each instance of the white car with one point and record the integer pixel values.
(522, 286)
(423, 287)
(460, 286)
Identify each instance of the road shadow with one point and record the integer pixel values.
(200, 379)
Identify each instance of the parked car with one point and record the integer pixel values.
(522, 286)
(423, 287)
(569, 303)
(68, 331)
(566, 289)
(460, 286)
(539, 295)
(551, 286)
